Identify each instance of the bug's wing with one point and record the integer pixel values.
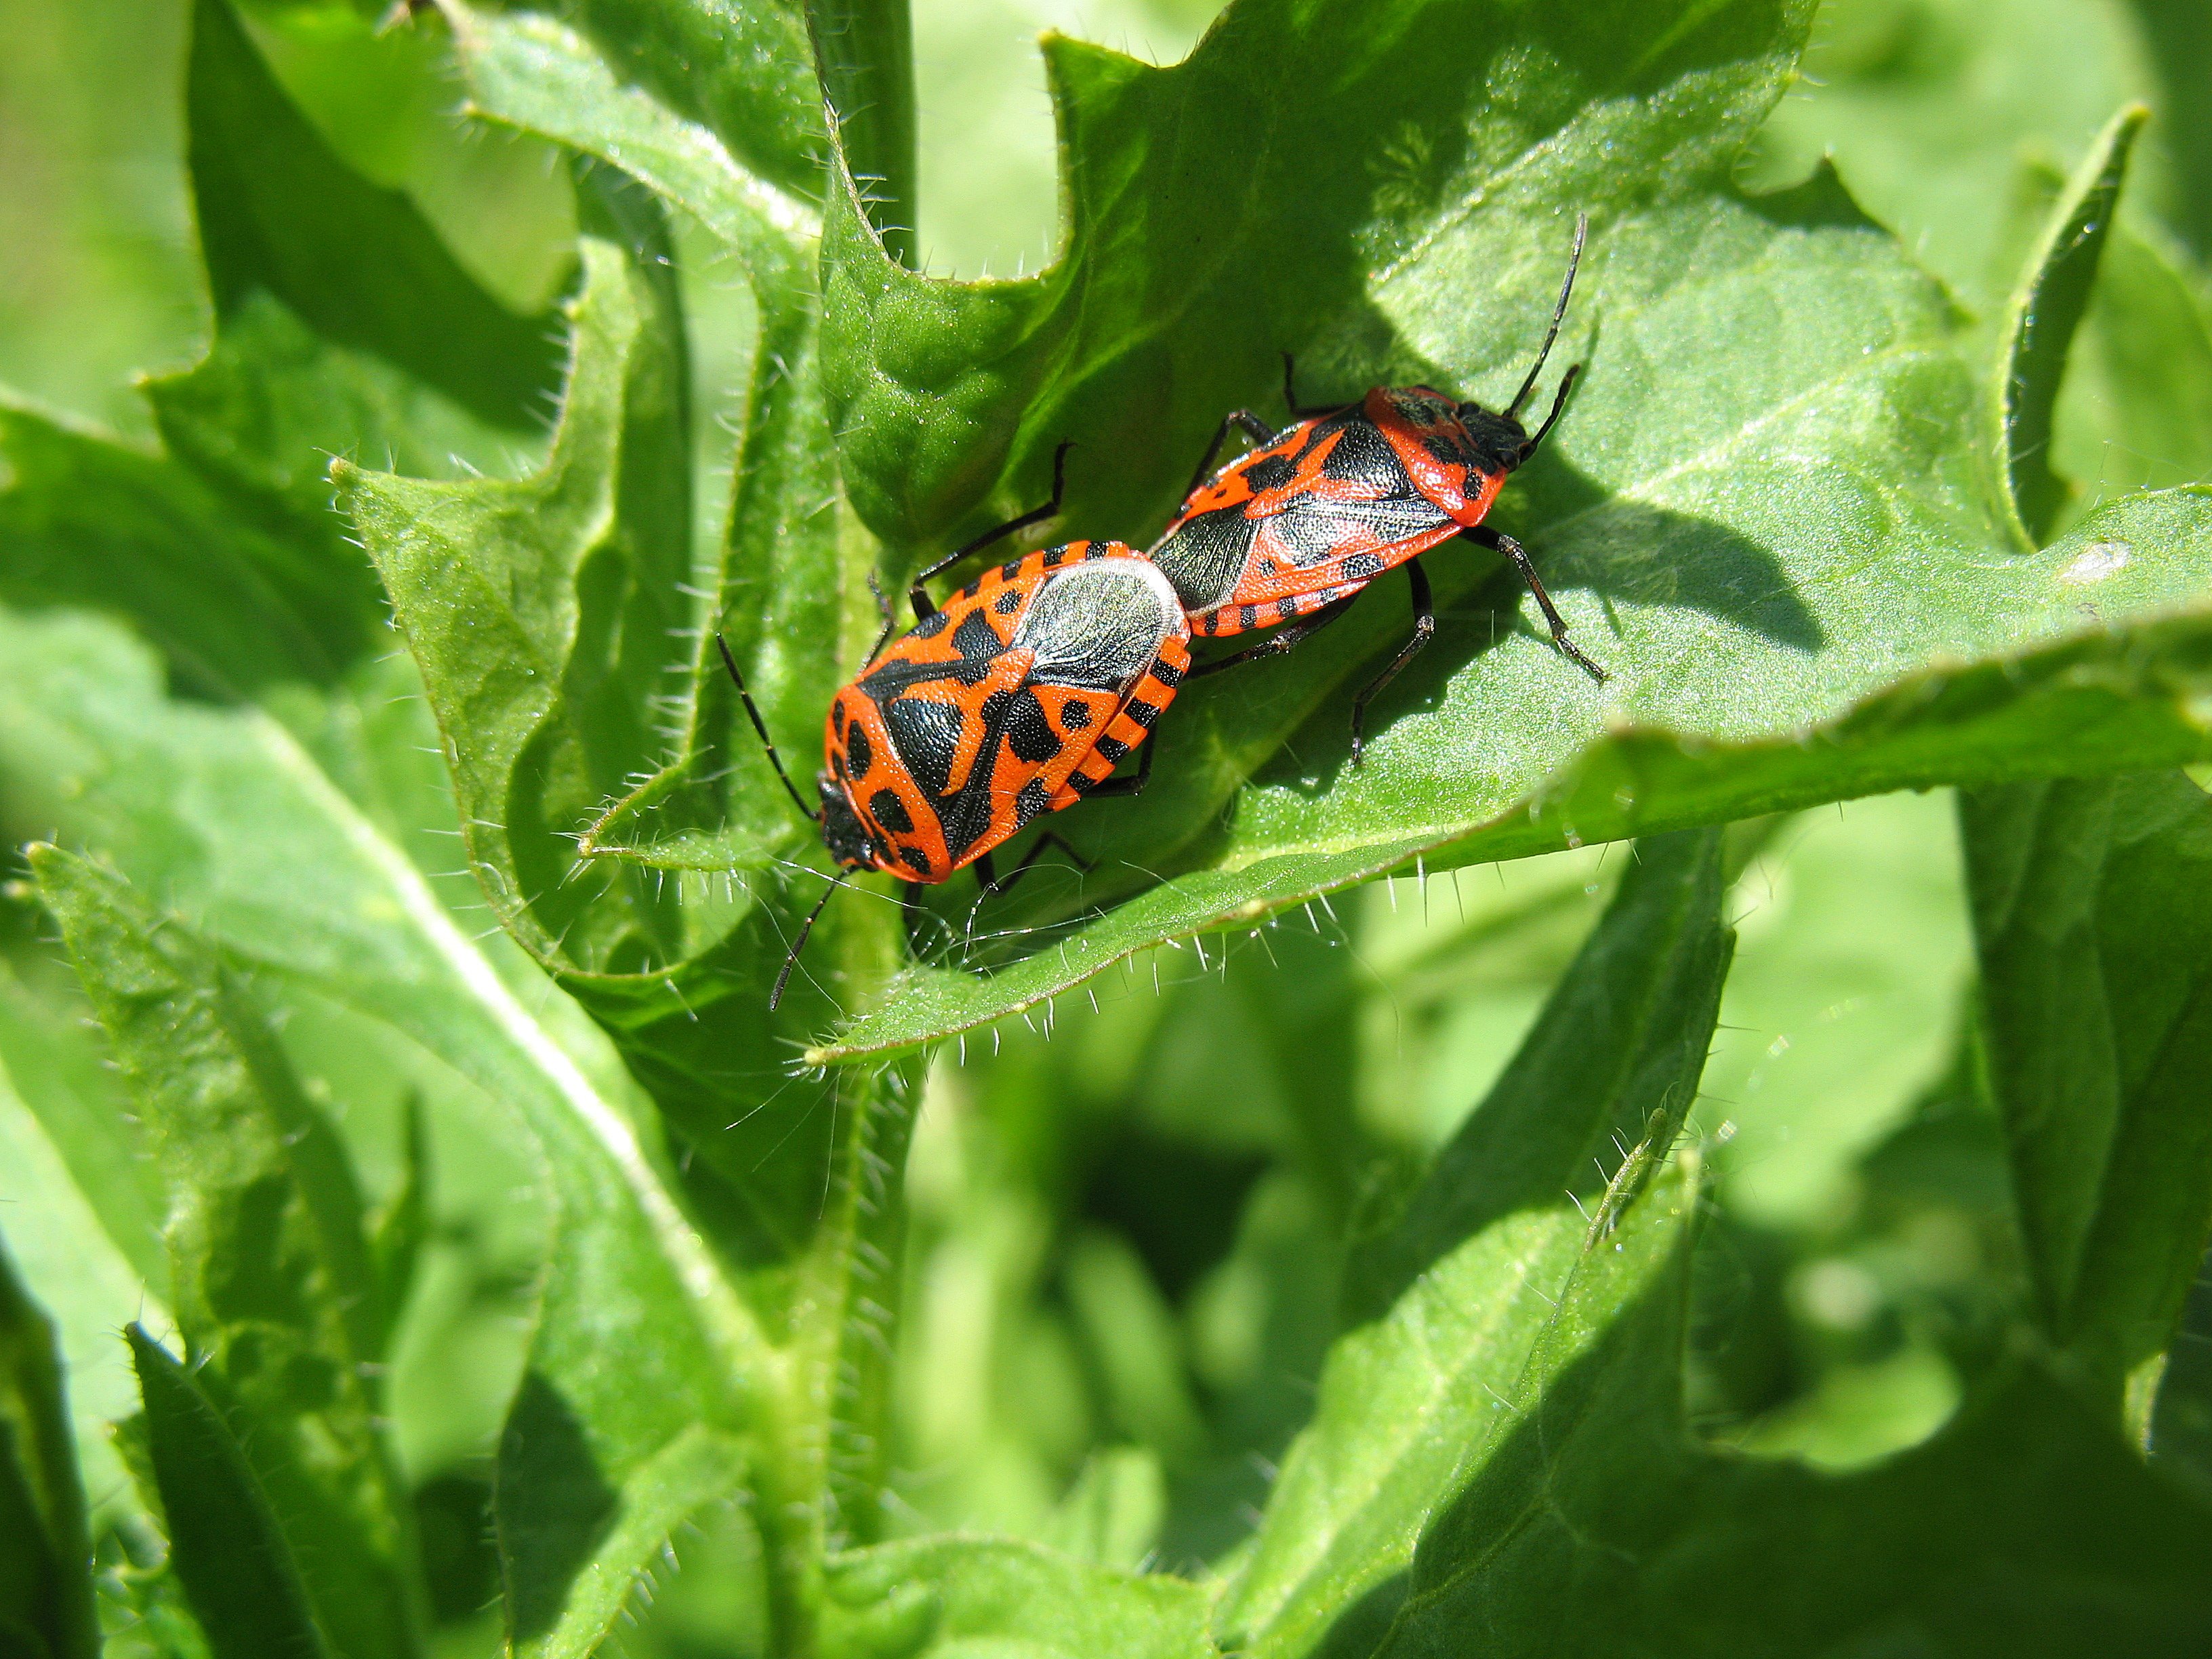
(1110, 645)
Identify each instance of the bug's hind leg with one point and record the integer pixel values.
(1300, 412)
(1107, 788)
(1258, 430)
(1424, 624)
(924, 606)
(1498, 542)
(1276, 644)
(992, 884)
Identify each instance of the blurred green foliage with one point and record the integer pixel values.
(1157, 1224)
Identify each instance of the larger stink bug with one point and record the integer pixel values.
(1018, 698)
(1299, 526)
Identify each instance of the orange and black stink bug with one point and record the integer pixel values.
(1019, 697)
(1303, 523)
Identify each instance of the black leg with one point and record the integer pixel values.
(883, 609)
(924, 608)
(992, 885)
(1133, 784)
(1300, 412)
(1258, 430)
(1424, 624)
(1498, 541)
(1276, 644)
(987, 873)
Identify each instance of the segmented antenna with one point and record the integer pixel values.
(1559, 314)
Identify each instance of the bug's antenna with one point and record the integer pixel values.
(774, 760)
(1559, 314)
(791, 957)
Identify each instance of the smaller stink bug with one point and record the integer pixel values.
(1303, 523)
(1018, 698)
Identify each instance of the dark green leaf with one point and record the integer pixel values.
(70, 1218)
(85, 521)
(279, 211)
(2037, 335)
(273, 1286)
(2179, 35)
(225, 1541)
(933, 1598)
(397, 1229)
(45, 1553)
(225, 814)
(1595, 1524)
(1452, 1293)
(2094, 917)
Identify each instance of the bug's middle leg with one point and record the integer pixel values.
(1498, 541)
(1424, 624)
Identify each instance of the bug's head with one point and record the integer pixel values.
(1490, 441)
(843, 832)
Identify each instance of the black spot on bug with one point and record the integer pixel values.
(916, 859)
(837, 719)
(1286, 608)
(978, 643)
(930, 626)
(1032, 802)
(1362, 454)
(1054, 558)
(1167, 674)
(1248, 616)
(1029, 733)
(1075, 717)
(1012, 568)
(1141, 712)
(1270, 472)
(887, 810)
(1361, 567)
(859, 753)
(1008, 602)
(1111, 750)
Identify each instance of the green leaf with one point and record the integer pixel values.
(224, 813)
(539, 611)
(2096, 946)
(45, 1553)
(225, 1541)
(1765, 506)
(1450, 1296)
(273, 1286)
(279, 212)
(87, 522)
(946, 1596)
(2136, 410)
(2037, 335)
(742, 72)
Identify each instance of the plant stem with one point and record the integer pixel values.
(864, 53)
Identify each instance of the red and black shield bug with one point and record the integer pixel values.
(1301, 525)
(1016, 698)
